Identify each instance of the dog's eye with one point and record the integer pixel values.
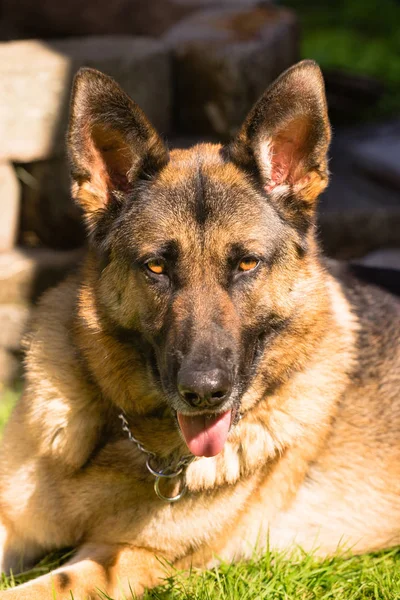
(248, 263)
(156, 266)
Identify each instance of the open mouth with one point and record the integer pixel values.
(205, 435)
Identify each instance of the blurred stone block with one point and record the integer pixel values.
(197, 4)
(14, 323)
(10, 204)
(14, 319)
(377, 154)
(49, 216)
(351, 234)
(26, 274)
(50, 19)
(388, 258)
(10, 368)
(35, 84)
(223, 61)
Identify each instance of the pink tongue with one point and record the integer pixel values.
(205, 436)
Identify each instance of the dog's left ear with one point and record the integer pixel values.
(285, 137)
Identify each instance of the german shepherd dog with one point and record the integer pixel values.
(206, 382)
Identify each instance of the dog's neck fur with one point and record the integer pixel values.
(293, 417)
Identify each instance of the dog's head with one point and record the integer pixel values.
(200, 251)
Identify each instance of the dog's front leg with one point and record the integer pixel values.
(120, 571)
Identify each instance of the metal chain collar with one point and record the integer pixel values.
(174, 469)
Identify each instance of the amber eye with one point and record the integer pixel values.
(156, 266)
(248, 263)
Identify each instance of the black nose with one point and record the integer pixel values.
(203, 389)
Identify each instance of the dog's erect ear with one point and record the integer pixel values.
(110, 143)
(286, 135)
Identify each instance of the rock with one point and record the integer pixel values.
(49, 19)
(388, 258)
(35, 83)
(49, 216)
(352, 97)
(224, 59)
(351, 234)
(197, 4)
(377, 154)
(10, 204)
(26, 274)
(350, 189)
(14, 320)
(10, 368)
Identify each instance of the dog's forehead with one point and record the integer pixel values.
(199, 186)
(191, 158)
(200, 199)
(203, 171)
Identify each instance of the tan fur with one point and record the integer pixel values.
(313, 461)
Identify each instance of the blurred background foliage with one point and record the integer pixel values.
(361, 38)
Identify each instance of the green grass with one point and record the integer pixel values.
(275, 576)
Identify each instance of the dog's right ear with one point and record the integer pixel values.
(110, 144)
